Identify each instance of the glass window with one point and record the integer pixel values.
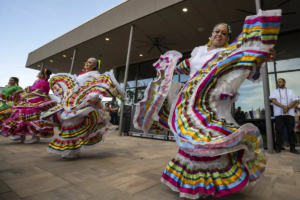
(292, 80)
(140, 94)
(130, 95)
(146, 70)
(175, 78)
(143, 82)
(184, 78)
(251, 98)
(132, 74)
(290, 64)
(272, 82)
(270, 66)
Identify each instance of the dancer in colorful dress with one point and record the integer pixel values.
(81, 120)
(6, 103)
(25, 117)
(216, 156)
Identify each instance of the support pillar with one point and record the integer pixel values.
(73, 59)
(266, 90)
(125, 81)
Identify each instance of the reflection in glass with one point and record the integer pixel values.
(184, 78)
(130, 95)
(272, 82)
(290, 64)
(175, 78)
(130, 84)
(131, 76)
(292, 81)
(146, 70)
(140, 94)
(143, 82)
(251, 98)
(270, 66)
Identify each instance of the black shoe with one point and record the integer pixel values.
(294, 151)
(278, 149)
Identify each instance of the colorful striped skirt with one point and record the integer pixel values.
(79, 130)
(195, 176)
(26, 121)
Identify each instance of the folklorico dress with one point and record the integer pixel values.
(25, 116)
(5, 106)
(216, 156)
(80, 118)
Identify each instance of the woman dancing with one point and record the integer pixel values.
(216, 156)
(81, 120)
(25, 116)
(7, 102)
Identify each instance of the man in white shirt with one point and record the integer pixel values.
(284, 101)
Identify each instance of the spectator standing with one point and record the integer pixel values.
(114, 113)
(239, 115)
(284, 101)
(107, 109)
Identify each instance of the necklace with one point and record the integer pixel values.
(286, 96)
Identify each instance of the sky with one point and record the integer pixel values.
(27, 25)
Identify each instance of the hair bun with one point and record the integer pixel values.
(49, 72)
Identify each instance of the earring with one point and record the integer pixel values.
(209, 42)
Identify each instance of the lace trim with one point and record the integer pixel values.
(220, 163)
(185, 195)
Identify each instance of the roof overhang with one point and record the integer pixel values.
(152, 19)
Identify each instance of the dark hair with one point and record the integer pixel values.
(16, 80)
(281, 79)
(106, 104)
(46, 72)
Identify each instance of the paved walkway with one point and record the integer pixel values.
(126, 168)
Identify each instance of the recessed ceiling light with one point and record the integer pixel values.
(39, 65)
(107, 39)
(141, 55)
(200, 29)
(184, 9)
(64, 56)
(51, 60)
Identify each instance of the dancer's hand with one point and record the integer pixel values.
(23, 97)
(271, 55)
(17, 92)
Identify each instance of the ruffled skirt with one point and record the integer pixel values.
(24, 119)
(79, 130)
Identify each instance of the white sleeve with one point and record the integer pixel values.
(294, 96)
(273, 95)
(194, 52)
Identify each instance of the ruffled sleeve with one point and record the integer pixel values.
(184, 66)
(255, 75)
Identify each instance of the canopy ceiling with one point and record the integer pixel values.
(157, 19)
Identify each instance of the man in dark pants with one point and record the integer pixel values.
(114, 113)
(284, 101)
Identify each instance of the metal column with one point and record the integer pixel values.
(73, 59)
(266, 90)
(42, 67)
(125, 81)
